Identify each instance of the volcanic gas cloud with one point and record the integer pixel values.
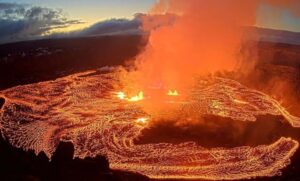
(204, 38)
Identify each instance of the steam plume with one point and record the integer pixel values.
(204, 39)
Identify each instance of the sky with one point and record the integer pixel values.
(29, 19)
(280, 18)
(92, 11)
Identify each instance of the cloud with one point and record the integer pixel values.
(141, 23)
(23, 22)
(20, 22)
(4, 6)
(113, 26)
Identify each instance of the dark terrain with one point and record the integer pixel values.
(34, 61)
(276, 71)
(19, 165)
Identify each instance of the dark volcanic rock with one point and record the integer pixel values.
(40, 60)
(17, 164)
(2, 101)
(64, 153)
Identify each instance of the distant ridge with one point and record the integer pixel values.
(275, 36)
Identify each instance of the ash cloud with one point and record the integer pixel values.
(23, 22)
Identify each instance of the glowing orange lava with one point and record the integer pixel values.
(35, 116)
(136, 98)
(122, 96)
(142, 120)
(173, 93)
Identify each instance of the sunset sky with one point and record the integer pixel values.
(92, 11)
(31, 19)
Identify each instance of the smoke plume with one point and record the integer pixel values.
(204, 39)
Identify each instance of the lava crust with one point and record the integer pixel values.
(83, 108)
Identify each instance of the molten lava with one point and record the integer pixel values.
(136, 98)
(122, 96)
(36, 116)
(142, 120)
(173, 93)
(205, 39)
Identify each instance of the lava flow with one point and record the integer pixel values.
(83, 108)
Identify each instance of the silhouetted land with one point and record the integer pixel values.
(19, 165)
(40, 60)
